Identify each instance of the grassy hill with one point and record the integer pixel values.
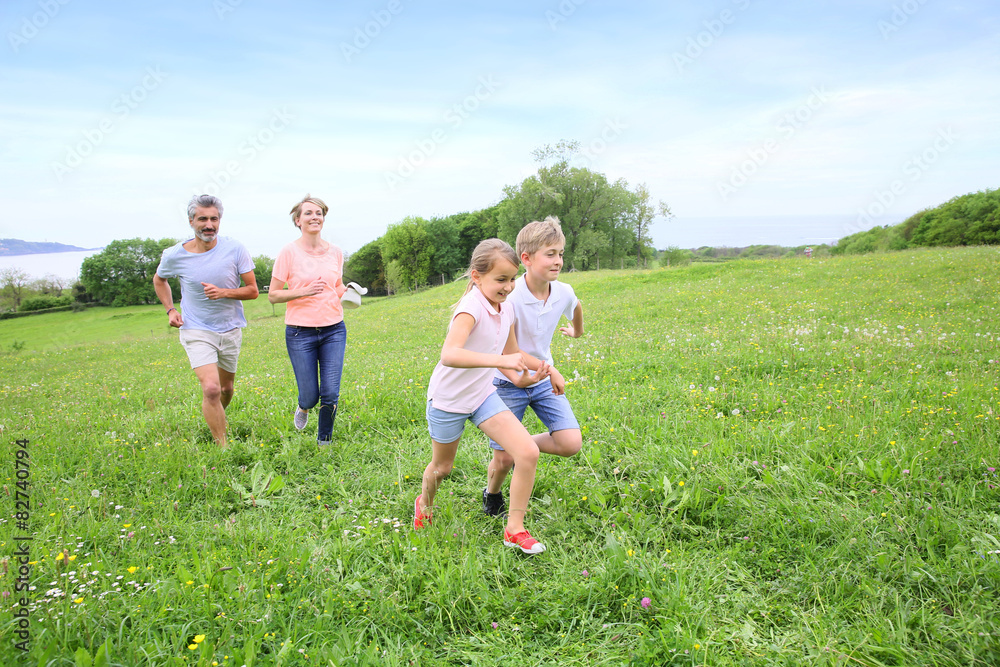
(794, 461)
(966, 220)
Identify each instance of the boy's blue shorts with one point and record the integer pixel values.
(553, 411)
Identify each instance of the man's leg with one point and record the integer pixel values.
(226, 380)
(212, 407)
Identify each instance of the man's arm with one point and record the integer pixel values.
(166, 297)
(246, 293)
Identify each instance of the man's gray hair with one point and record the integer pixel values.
(203, 201)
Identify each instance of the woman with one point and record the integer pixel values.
(314, 318)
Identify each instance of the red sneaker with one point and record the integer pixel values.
(419, 518)
(523, 541)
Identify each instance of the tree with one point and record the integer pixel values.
(561, 151)
(589, 247)
(475, 227)
(262, 268)
(122, 273)
(409, 245)
(366, 267)
(12, 282)
(582, 199)
(50, 284)
(640, 217)
(447, 258)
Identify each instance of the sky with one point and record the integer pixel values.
(757, 122)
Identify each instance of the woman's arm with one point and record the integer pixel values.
(277, 293)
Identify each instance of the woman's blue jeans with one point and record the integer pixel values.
(317, 355)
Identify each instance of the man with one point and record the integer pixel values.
(210, 268)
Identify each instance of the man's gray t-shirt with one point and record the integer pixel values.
(221, 266)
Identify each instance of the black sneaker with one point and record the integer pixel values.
(493, 504)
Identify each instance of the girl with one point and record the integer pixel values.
(315, 334)
(480, 339)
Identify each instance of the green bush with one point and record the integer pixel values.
(43, 302)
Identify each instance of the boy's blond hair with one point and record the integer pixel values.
(538, 234)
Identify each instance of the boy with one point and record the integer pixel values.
(539, 301)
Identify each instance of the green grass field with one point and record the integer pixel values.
(794, 461)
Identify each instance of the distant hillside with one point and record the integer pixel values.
(11, 247)
(972, 219)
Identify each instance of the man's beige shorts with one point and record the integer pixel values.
(207, 347)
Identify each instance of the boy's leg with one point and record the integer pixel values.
(564, 442)
(508, 431)
(563, 437)
(497, 470)
(442, 460)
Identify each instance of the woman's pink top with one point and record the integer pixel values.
(299, 267)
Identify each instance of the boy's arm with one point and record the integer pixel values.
(575, 330)
(454, 354)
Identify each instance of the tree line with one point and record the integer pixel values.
(606, 224)
(971, 219)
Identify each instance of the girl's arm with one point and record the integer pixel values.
(454, 354)
(277, 293)
(524, 379)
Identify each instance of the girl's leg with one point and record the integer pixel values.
(505, 429)
(442, 460)
(516, 399)
(330, 354)
(303, 353)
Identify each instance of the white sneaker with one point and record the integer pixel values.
(301, 417)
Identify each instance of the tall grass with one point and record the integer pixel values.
(793, 462)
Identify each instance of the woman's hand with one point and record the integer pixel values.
(315, 287)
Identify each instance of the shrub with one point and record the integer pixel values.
(42, 302)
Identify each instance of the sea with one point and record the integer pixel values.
(63, 264)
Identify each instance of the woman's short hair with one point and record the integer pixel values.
(297, 209)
